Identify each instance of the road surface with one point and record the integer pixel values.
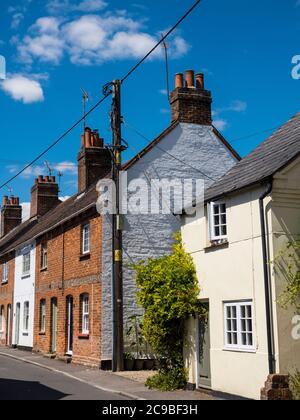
(22, 381)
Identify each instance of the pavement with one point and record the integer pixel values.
(25, 375)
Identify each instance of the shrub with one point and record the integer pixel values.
(168, 292)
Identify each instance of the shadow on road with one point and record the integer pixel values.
(13, 390)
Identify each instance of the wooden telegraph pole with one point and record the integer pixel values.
(117, 278)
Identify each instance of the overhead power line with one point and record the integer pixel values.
(168, 153)
(108, 92)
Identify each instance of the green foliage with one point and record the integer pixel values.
(289, 264)
(295, 385)
(168, 292)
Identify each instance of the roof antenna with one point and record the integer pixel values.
(47, 164)
(59, 174)
(165, 46)
(85, 99)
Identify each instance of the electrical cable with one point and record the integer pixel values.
(106, 94)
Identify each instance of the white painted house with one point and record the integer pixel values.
(190, 148)
(24, 296)
(249, 217)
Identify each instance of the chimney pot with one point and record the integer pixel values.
(200, 81)
(87, 137)
(179, 80)
(190, 78)
(5, 200)
(47, 178)
(52, 178)
(40, 179)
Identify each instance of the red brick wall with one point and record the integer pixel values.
(6, 296)
(70, 274)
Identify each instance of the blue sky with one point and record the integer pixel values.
(55, 47)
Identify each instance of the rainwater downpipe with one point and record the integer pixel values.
(268, 287)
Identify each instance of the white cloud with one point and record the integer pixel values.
(92, 39)
(220, 124)
(44, 42)
(16, 20)
(66, 167)
(234, 106)
(163, 92)
(23, 89)
(63, 6)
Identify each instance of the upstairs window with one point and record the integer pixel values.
(86, 239)
(218, 221)
(239, 326)
(26, 264)
(26, 317)
(5, 273)
(44, 256)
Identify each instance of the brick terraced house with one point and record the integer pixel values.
(58, 254)
(71, 315)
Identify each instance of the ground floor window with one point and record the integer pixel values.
(43, 316)
(26, 317)
(85, 314)
(2, 319)
(239, 326)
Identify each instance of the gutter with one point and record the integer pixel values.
(268, 289)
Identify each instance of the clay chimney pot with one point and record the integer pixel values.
(200, 81)
(190, 78)
(179, 80)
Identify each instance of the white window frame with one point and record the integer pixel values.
(44, 256)
(213, 236)
(85, 328)
(26, 316)
(26, 270)
(5, 269)
(239, 331)
(86, 239)
(2, 319)
(43, 316)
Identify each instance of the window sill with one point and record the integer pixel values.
(42, 270)
(217, 245)
(4, 283)
(42, 333)
(84, 257)
(240, 350)
(84, 336)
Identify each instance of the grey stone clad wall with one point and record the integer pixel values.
(151, 235)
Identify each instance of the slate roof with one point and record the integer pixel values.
(34, 227)
(260, 165)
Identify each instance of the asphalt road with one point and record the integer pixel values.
(22, 381)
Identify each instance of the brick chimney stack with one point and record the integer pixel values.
(190, 102)
(11, 214)
(44, 195)
(94, 161)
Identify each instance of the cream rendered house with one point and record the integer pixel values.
(249, 217)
